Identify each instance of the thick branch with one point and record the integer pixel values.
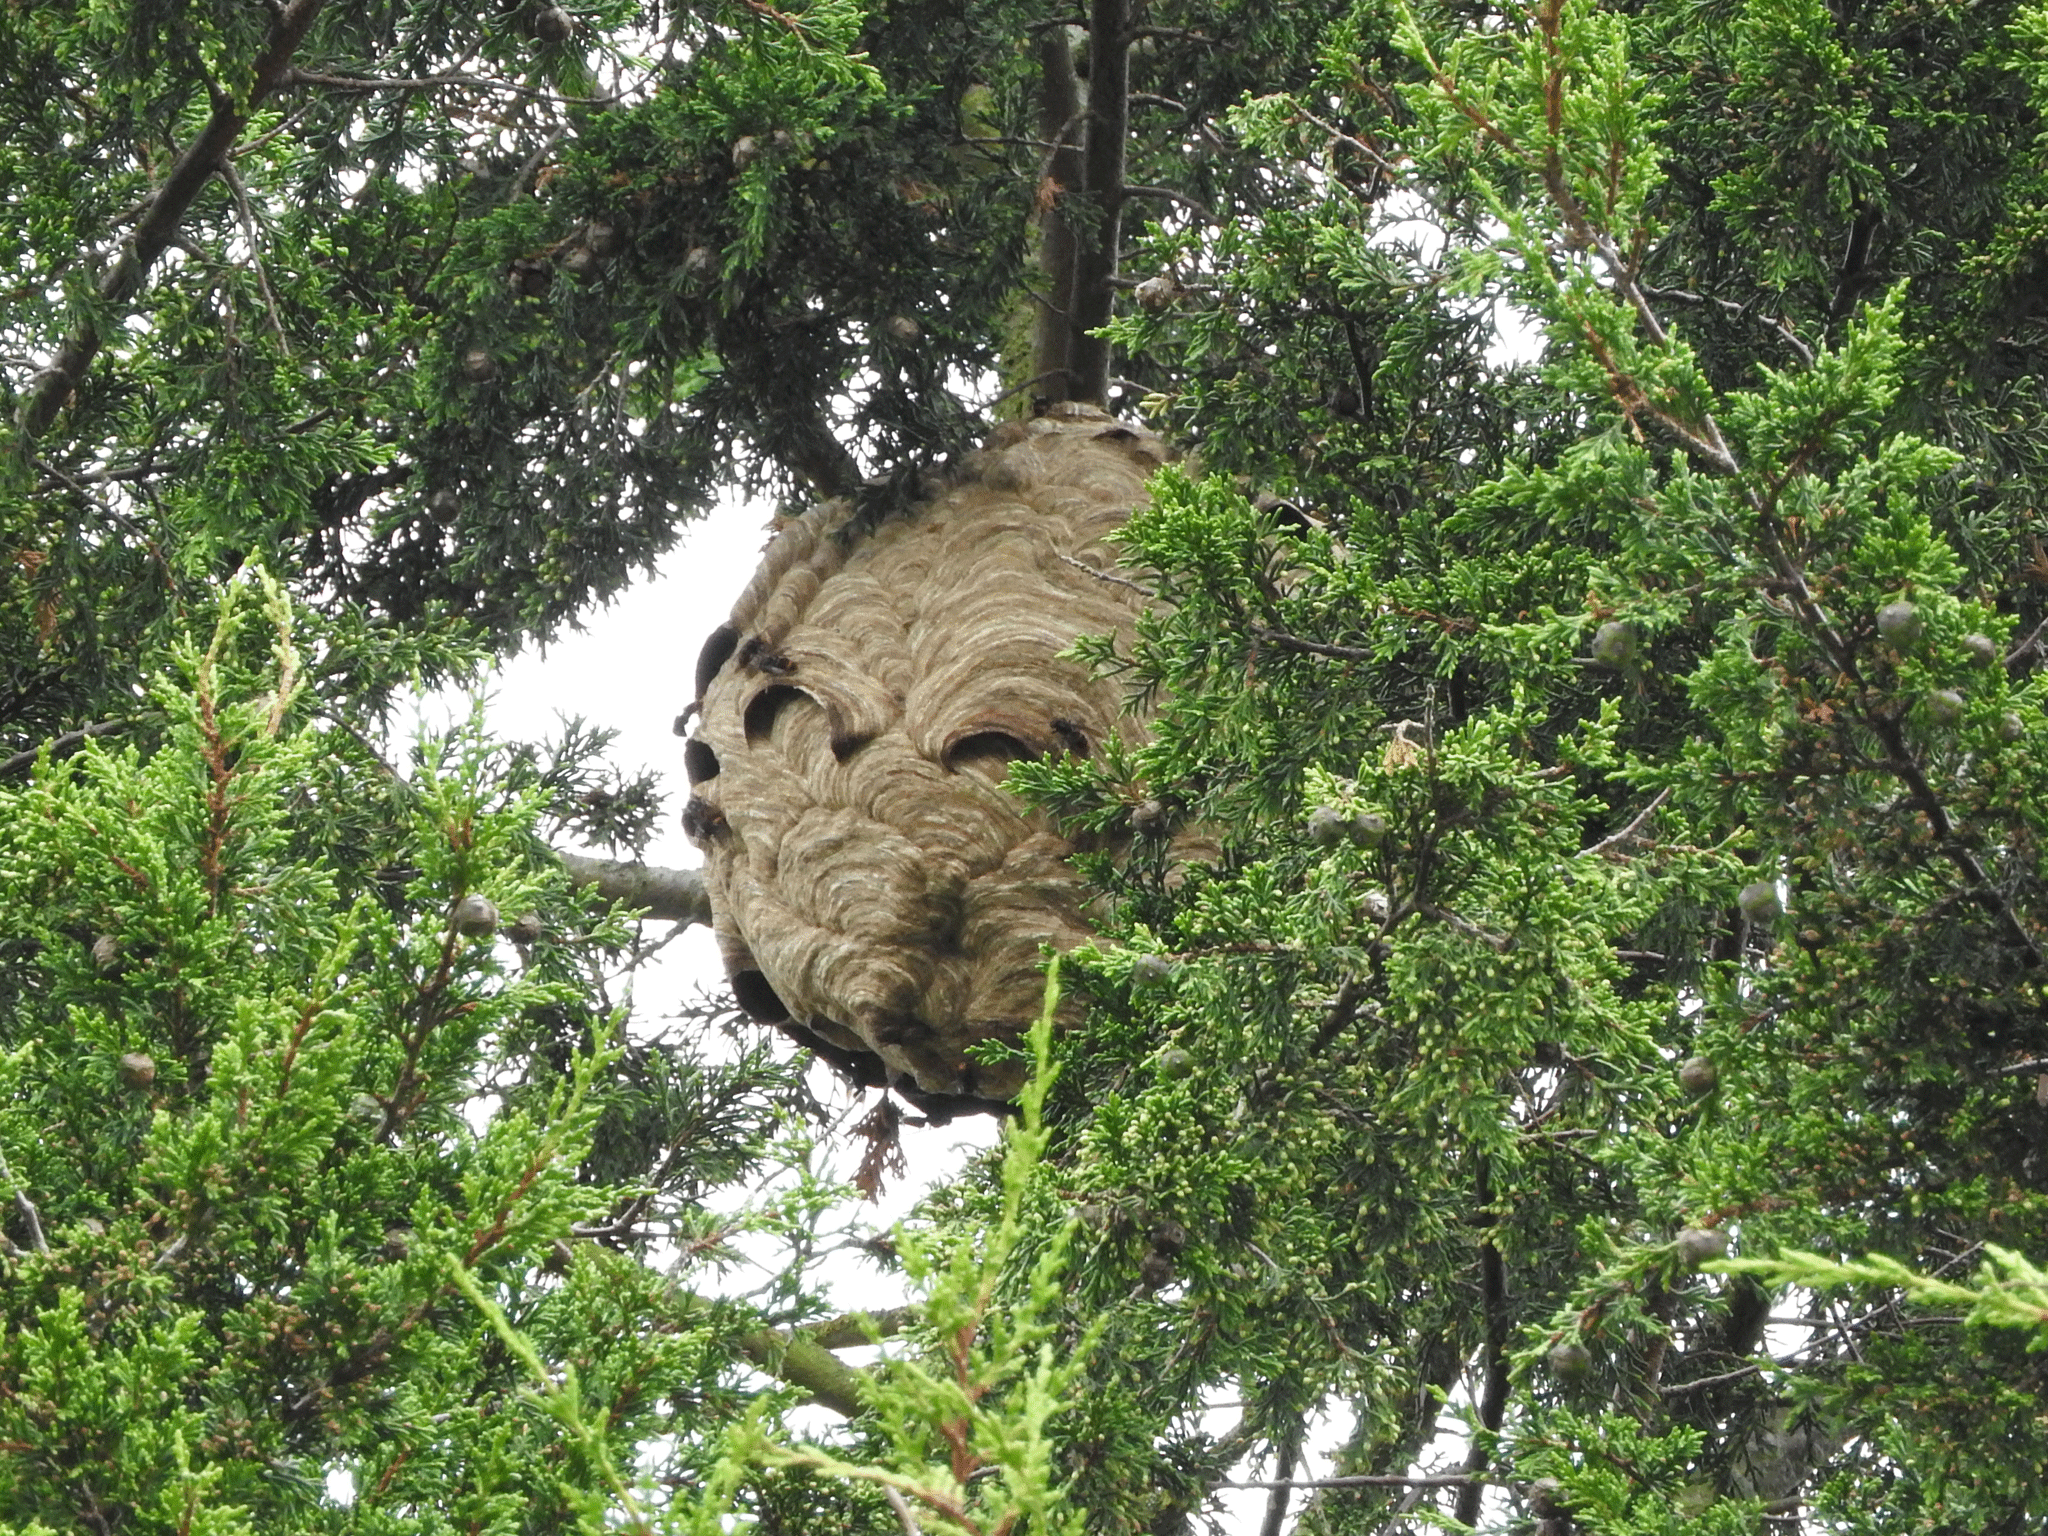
(809, 447)
(669, 895)
(803, 1356)
(159, 223)
(801, 1361)
(852, 1329)
(1283, 1487)
(1493, 1401)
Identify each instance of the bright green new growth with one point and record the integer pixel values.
(2011, 1293)
(1003, 1365)
(243, 1273)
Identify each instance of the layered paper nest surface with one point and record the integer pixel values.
(875, 891)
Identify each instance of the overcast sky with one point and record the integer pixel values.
(630, 671)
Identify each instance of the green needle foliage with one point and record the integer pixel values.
(1594, 1073)
(270, 1111)
(969, 1444)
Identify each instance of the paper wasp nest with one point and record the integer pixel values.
(874, 890)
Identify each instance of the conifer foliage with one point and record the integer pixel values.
(1602, 1080)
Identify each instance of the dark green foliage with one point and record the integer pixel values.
(1436, 1132)
(1623, 742)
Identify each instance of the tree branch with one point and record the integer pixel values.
(1170, 195)
(48, 391)
(803, 1362)
(1281, 640)
(26, 1206)
(1627, 834)
(1493, 1402)
(1742, 311)
(851, 1329)
(1447, 1480)
(668, 895)
(61, 746)
(905, 1515)
(363, 85)
(1283, 1486)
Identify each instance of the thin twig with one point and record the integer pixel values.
(1170, 195)
(1113, 580)
(1628, 833)
(26, 1206)
(525, 174)
(904, 1513)
(363, 85)
(1682, 1388)
(1356, 145)
(1785, 331)
(2026, 647)
(248, 214)
(1280, 639)
(1448, 1480)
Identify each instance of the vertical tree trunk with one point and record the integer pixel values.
(1083, 196)
(1060, 105)
(1090, 303)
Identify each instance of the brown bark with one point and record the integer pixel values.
(668, 895)
(1090, 303)
(1059, 122)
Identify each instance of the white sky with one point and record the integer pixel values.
(630, 670)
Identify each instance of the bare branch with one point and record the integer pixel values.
(1283, 1485)
(60, 746)
(1493, 1399)
(1705, 1383)
(1627, 834)
(363, 85)
(1281, 640)
(1447, 1480)
(904, 1514)
(1171, 195)
(26, 1206)
(1108, 576)
(250, 232)
(669, 895)
(1785, 332)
